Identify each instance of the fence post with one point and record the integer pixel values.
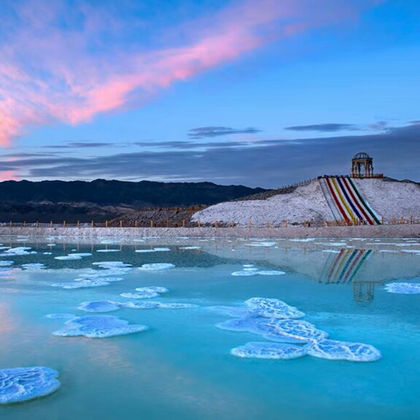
(382, 220)
(136, 223)
(24, 223)
(78, 223)
(51, 224)
(64, 223)
(37, 223)
(250, 224)
(199, 224)
(93, 224)
(183, 222)
(151, 223)
(216, 224)
(287, 223)
(268, 225)
(412, 220)
(11, 223)
(233, 224)
(121, 223)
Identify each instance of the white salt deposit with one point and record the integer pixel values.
(108, 250)
(6, 263)
(98, 326)
(156, 267)
(403, 288)
(342, 350)
(98, 306)
(267, 350)
(27, 383)
(33, 266)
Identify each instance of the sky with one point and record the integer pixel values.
(255, 92)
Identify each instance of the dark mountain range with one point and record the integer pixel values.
(101, 199)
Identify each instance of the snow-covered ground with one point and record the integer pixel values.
(307, 203)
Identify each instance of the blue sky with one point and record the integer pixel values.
(312, 83)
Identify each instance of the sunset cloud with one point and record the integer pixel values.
(66, 62)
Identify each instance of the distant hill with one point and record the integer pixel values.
(102, 199)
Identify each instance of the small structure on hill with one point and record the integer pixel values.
(362, 166)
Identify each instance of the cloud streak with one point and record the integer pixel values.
(65, 62)
(269, 163)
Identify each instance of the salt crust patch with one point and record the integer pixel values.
(272, 308)
(267, 350)
(156, 305)
(153, 250)
(275, 320)
(98, 306)
(251, 270)
(108, 250)
(263, 244)
(68, 257)
(189, 247)
(6, 263)
(27, 383)
(98, 326)
(33, 266)
(143, 295)
(403, 288)
(60, 316)
(342, 350)
(156, 267)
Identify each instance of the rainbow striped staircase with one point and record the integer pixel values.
(346, 202)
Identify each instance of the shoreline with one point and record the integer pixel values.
(380, 231)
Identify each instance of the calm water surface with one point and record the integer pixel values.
(181, 367)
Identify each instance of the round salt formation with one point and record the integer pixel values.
(98, 306)
(152, 289)
(156, 266)
(108, 250)
(68, 257)
(6, 263)
(60, 316)
(142, 295)
(272, 308)
(33, 266)
(342, 350)
(81, 284)
(403, 288)
(27, 383)
(266, 350)
(294, 329)
(263, 244)
(99, 326)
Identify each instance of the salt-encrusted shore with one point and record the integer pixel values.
(381, 231)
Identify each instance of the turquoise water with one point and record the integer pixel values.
(181, 366)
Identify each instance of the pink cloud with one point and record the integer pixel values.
(49, 74)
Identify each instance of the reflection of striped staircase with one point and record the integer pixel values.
(346, 202)
(344, 267)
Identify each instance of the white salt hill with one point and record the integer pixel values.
(27, 383)
(98, 326)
